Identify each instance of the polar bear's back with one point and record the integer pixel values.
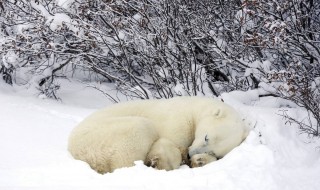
(174, 118)
(178, 106)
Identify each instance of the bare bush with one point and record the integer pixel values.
(162, 48)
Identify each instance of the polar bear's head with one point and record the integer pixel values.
(217, 133)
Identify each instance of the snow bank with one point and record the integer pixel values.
(34, 135)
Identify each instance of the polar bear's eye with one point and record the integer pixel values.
(206, 138)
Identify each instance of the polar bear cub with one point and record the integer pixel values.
(165, 155)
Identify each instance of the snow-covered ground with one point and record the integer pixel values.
(34, 133)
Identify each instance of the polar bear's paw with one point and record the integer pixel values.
(199, 160)
(153, 162)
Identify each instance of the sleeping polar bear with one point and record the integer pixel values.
(117, 136)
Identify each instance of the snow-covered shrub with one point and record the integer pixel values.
(157, 46)
(34, 44)
(292, 33)
(40, 39)
(302, 86)
(161, 49)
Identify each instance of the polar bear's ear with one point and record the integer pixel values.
(218, 113)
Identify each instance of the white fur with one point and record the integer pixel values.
(110, 143)
(129, 130)
(165, 155)
(219, 134)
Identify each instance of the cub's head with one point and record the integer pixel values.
(217, 133)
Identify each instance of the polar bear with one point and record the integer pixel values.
(115, 136)
(165, 155)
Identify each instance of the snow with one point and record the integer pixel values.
(137, 17)
(10, 59)
(56, 21)
(243, 17)
(34, 133)
(65, 3)
(121, 35)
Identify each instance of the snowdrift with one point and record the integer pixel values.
(33, 145)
